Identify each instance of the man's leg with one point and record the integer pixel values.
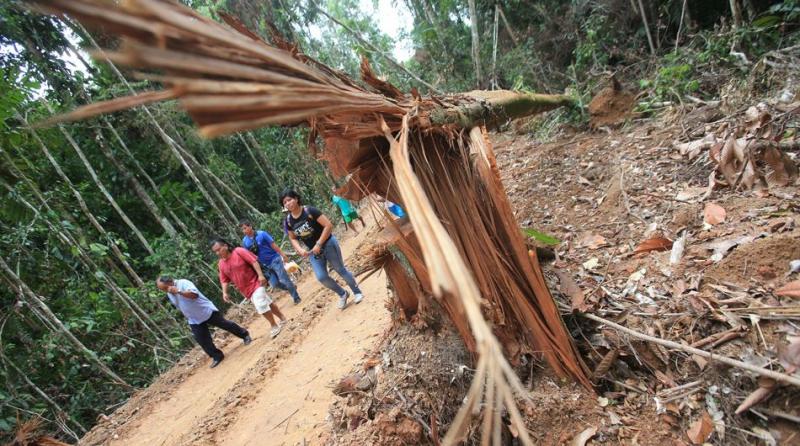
(217, 320)
(277, 312)
(274, 280)
(265, 307)
(282, 277)
(202, 335)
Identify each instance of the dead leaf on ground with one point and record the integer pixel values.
(583, 437)
(592, 241)
(690, 193)
(700, 430)
(653, 244)
(721, 247)
(791, 289)
(789, 356)
(591, 263)
(572, 290)
(713, 214)
(347, 384)
(784, 170)
(370, 363)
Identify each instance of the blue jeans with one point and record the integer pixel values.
(332, 254)
(279, 278)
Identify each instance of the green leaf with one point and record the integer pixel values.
(98, 249)
(541, 237)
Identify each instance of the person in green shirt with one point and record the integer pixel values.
(349, 214)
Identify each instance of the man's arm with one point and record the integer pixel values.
(187, 290)
(261, 279)
(279, 251)
(225, 296)
(188, 294)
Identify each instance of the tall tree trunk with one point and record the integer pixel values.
(494, 47)
(137, 188)
(142, 239)
(165, 224)
(169, 141)
(266, 162)
(736, 14)
(476, 49)
(84, 207)
(647, 28)
(140, 170)
(128, 273)
(271, 183)
(33, 300)
(70, 242)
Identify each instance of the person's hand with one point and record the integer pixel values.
(316, 249)
(262, 280)
(173, 290)
(226, 298)
(302, 252)
(285, 258)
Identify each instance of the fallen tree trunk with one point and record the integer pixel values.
(430, 154)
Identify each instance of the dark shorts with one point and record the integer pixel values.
(350, 217)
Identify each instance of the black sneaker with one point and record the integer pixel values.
(247, 340)
(215, 363)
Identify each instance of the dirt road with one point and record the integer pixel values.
(274, 391)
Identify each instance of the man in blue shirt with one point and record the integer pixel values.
(200, 312)
(270, 257)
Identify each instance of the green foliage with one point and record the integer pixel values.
(541, 237)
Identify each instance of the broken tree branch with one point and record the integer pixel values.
(497, 107)
(781, 377)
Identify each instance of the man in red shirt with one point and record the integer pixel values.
(241, 267)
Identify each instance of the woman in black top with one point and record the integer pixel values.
(310, 225)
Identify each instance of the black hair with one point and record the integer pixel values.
(164, 279)
(222, 241)
(246, 222)
(291, 193)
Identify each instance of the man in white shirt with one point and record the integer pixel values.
(200, 312)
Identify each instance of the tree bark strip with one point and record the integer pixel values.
(476, 49)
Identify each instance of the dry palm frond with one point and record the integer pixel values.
(465, 249)
(495, 381)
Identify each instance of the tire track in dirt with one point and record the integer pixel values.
(167, 421)
(192, 404)
(291, 406)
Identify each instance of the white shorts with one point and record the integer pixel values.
(261, 300)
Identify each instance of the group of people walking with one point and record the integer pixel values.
(260, 262)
